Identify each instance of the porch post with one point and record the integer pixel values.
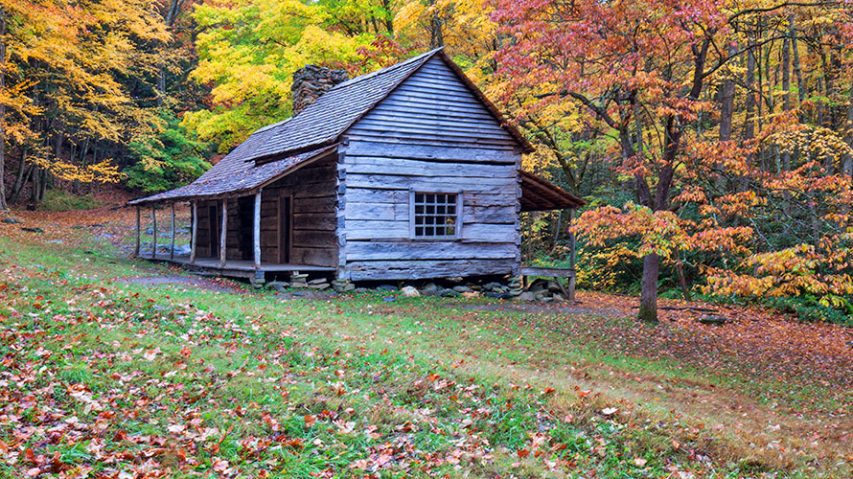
(573, 255)
(223, 234)
(256, 238)
(194, 229)
(138, 231)
(154, 230)
(172, 246)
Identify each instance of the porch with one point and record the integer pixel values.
(238, 268)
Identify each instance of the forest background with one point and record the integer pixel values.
(712, 140)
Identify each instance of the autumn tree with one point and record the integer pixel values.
(79, 72)
(248, 51)
(641, 69)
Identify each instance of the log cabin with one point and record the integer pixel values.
(409, 172)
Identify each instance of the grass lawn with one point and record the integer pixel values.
(103, 375)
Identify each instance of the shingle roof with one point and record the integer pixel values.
(271, 151)
(234, 175)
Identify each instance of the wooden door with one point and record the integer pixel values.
(215, 224)
(285, 226)
(246, 205)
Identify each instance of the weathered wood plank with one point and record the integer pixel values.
(138, 231)
(450, 131)
(376, 230)
(487, 199)
(376, 211)
(438, 183)
(223, 234)
(154, 231)
(314, 256)
(460, 123)
(314, 221)
(370, 195)
(490, 233)
(548, 272)
(172, 240)
(427, 250)
(419, 152)
(194, 232)
(314, 238)
(406, 167)
(256, 230)
(488, 214)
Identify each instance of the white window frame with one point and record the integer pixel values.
(432, 191)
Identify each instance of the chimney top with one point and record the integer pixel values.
(310, 82)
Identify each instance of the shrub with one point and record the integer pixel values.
(61, 200)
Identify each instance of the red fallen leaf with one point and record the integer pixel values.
(185, 352)
(4, 448)
(522, 453)
(120, 436)
(295, 443)
(433, 377)
(30, 455)
(310, 420)
(549, 390)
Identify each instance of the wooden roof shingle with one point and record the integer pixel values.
(274, 150)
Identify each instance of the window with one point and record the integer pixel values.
(436, 215)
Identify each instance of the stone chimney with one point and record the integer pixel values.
(312, 81)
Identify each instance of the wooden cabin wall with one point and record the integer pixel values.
(313, 240)
(431, 135)
(203, 232)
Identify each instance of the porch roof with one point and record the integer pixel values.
(538, 194)
(233, 176)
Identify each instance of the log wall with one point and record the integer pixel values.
(313, 219)
(431, 135)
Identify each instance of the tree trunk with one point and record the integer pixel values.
(21, 177)
(649, 295)
(3, 205)
(786, 87)
(436, 34)
(682, 279)
(170, 17)
(749, 124)
(795, 61)
(727, 103)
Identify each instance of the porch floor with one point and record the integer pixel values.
(237, 268)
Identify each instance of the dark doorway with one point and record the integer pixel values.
(215, 223)
(246, 207)
(284, 229)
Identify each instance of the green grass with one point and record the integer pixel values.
(415, 388)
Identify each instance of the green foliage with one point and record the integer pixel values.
(61, 200)
(166, 160)
(813, 308)
(248, 51)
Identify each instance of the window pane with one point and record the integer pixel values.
(435, 215)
